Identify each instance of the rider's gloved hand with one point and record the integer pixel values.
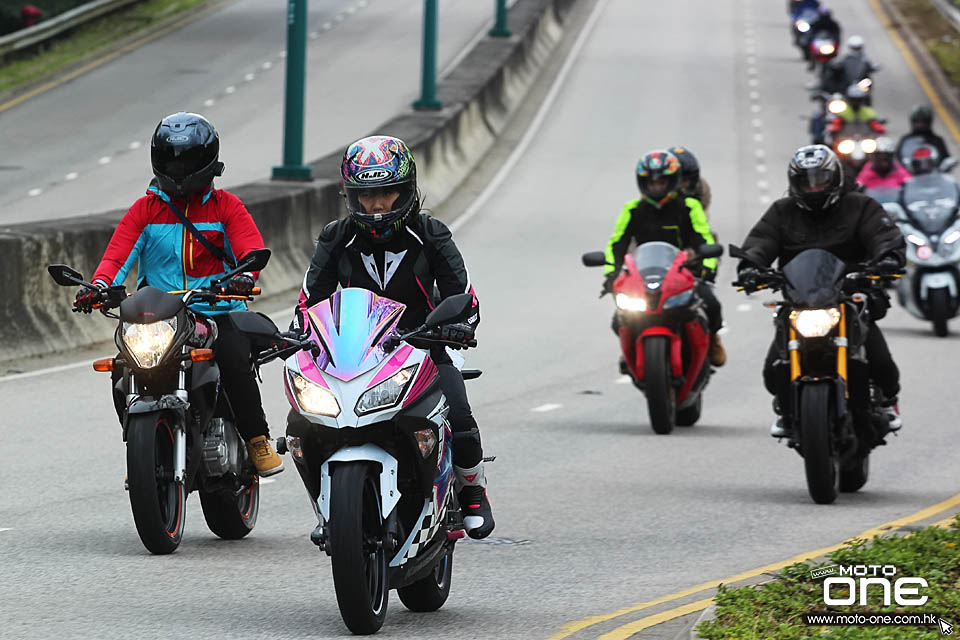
(458, 333)
(87, 298)
(748, 277)
(607, 284)
(890, 264)
(240, 285)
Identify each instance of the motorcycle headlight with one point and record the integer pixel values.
(387, 393)
(837, 107)
(313, 398)
(803, 26)
(148, 342)
(951, 238)
(678, 300)
(827, 49)
(814, 323)
(917, 240)
(868, 145)
(846, 147)
(629, 303)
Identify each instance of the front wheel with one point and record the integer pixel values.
(157, 501)
(819, 459)
(854, 474)
(358, 559)
(661, 396)
(429, 593)
(688, 417)
(232, 516)
(940, 311)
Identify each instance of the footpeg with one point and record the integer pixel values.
(319, 536)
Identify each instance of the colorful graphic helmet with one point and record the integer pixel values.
(184, 153)
(690, 170)
(816, 177)
(924, 160)
(658, 177)
(379, 164)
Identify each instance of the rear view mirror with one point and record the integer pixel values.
(594, 259)
(256, 260)
(64, 275)
(252, 323)
(948, 164)
(453, 309)
(710, 251)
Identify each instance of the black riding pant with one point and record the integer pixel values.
(234, 355)
(883, 370)
(467, 450)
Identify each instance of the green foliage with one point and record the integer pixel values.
(774, 610)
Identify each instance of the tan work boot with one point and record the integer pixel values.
(264, 457)
(718, 355)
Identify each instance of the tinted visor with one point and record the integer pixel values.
(372, 206)
(181, 161)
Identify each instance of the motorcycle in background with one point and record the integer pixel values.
(369, 436)
(663, 329)
(821, 324)
(178, 423)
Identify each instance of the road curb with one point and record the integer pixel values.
(480, 96)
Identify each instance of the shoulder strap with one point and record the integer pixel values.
(212, 248)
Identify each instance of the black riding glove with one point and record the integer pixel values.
(87, 298)
(748, 277)
(458, 333)
(240, 285)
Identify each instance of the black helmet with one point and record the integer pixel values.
(816, 177)
(185, 154)
(690, 170)
(921, 118)
(658, 176)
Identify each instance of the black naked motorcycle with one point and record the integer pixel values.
(833, 410)
(177, 422)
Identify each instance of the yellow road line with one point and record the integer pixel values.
(946, 522)
(627, 630)
(571, 628)
(915, 67)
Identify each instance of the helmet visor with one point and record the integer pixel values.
(379, 207)
(178, 162)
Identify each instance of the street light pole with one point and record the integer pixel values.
(428, 93)
(296, 80)
(500, 29)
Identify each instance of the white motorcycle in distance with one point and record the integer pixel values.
(926, 213)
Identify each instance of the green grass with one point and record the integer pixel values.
(89, 39)
(941, 38)
(774, 610)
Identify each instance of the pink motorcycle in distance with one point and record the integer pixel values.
(369, 435)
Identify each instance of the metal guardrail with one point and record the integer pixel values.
(950, 10)
(48, 28)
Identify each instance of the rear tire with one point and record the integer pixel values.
(940, 311)
(158, 503)
(819, 460)
(359, 570)
(429, 593)
(661, 396)
(229, 516)
(689, 416)
(855, 475)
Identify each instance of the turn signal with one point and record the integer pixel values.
(103, 365)
(201, 355)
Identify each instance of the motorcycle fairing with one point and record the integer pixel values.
(389, 492)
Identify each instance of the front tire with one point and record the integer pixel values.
(689, 416)
(940, 311)
(429, 593)
(661, 396)
(230, 516)
(359, 563)
(816, 427)
(855, 475)
(157, 501)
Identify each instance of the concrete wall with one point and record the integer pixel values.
(479, 97)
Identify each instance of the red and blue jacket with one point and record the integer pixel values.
(167, 255)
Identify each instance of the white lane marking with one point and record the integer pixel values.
(751, 60)
(42, 372)
(753, 82)
(761, 168)
(755, 108)
(266, 65)
(754, 95)
(760, 153)
(73, 175)
(314, 35)
(537, 122)
(338, 17)
(230, 89)
(763, 185)
(758, 137)
(104, 160)
(764, 199)
(351, 10)
(208, 102)
(249, 77)
(744, 306)
(326, 26)
(546, 407)
(34, 192)
(267, 480)
(282, 55)
(752, 71)
(622, 380)
(757, 123)
(362, 4)
(2, 529)
(751, 50)
(136, 144)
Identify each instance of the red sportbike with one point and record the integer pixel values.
(663, 328)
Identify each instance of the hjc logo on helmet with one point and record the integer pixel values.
(180, 138)
(372, 175)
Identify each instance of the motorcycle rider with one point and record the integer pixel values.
(184, 154)
(387, 245)
(883, 170)
(692, 184)
(921, 123)
(662, 213)
(853, 67)
(818, 213)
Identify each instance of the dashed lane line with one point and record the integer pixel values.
(546, 407)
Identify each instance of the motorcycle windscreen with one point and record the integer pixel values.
(814, 279)
(653, 260)
(883, 195)
(931, 201)
(351, 326)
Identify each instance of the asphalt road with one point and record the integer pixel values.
(83, 147)
(594, 511)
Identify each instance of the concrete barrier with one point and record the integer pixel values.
(479, 97)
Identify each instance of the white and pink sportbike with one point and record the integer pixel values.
(369, 434)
